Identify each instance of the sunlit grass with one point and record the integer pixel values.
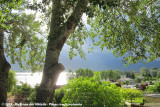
(137, 100)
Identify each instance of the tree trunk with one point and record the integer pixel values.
(56, 39)
(47, 87)
(4, 70)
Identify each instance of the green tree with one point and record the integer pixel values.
(158, 71)
(11, 81)
(104, 75)
(70, 75)
(18, 39)
(110, 74)
(154, 71)
(80, 72)
(158, 76)
(88, 73)
(130, 74)
(87, 92)
(145, 72)
(127, 82)
(6, 7)
(155, 88)
(138, 80)
(116, 75)
(113, 25)
(154, 68)
(131, 94)
(84, 73)
(113, 75)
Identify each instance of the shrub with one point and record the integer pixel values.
(11, 81)
(23, 92)
(127, 82)
(58, 95)
(130, 94)
(32, 96)
(155, 88)
(92, 92)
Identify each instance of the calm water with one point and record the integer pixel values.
(34, 78)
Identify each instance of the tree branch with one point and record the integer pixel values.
(56, 18)
(74, 19)
(60, 33)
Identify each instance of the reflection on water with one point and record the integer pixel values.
(35, 78)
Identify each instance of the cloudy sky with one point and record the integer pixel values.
(99, 60)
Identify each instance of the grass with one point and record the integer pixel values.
(137, 100)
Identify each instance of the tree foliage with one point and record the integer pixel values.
(145, 72)
(11, 81)
(25, 93)
(130, 74)
(131, 94)
(70, 75)
(79, 73)
(23, 41)
(134, 23)
(6, 7)
(113, 24)
(155, 88)
(32, 95)
(154, 71)
(92, 92)
(149, 73)
(110, 74)
(84, 73)
(128, 28)
(104, 75)
(59, 94)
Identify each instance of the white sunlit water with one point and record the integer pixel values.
(35, 78)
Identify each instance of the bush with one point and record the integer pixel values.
(127, 82)
(155, 88)
(11, 81)
(58, 95)
(32, 96)
(23, 92)
(130, 94)
(92, 92)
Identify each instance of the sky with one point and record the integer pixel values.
(99, 60)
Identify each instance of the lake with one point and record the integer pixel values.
(35, 78)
